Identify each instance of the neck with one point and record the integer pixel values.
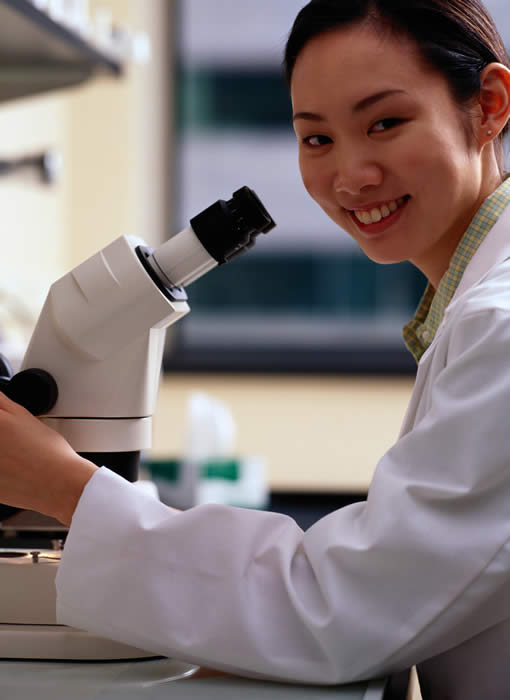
(438, 261)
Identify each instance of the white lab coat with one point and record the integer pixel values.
(419, 574)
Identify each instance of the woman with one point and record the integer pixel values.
(399, 110)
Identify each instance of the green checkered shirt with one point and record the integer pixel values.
(420, 331)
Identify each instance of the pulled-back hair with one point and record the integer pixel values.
(458, 38)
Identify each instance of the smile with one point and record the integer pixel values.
(376, 214)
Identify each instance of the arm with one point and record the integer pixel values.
(369, 589)
(38, 469)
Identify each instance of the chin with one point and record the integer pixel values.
(382, 258)
(388, 261)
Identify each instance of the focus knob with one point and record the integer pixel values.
(35, 389)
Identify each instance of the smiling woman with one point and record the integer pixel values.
(399, 136)
(398, 153)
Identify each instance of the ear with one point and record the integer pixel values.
(494, 101)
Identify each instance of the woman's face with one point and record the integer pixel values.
(383, 148)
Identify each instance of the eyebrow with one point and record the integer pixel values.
(373, 99)
(358, 107)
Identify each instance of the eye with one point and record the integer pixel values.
(317, 140)
(385, 125)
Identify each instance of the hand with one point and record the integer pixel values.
(39, 470)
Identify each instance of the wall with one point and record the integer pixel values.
(317, 433)
(119, 142)
(33, 223)
(112, 137)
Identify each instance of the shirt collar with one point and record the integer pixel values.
(419, 333)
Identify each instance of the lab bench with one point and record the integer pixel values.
(153, 680)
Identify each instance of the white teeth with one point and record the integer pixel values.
(377, 214)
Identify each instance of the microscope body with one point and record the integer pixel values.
(100, 335)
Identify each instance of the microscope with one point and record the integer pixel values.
(91, 372)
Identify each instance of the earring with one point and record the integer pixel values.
(490, 132)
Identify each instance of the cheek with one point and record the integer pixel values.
(445, 150)
(305, 174)
(314, 180)
(308, 182)
(445, 167)
(431, 167)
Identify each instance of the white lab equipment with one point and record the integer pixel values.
(209, 470)
(91, 372)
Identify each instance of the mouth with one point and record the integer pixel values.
(378, 218)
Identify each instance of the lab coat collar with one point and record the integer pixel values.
(493, 250)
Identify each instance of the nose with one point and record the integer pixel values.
(355, 173)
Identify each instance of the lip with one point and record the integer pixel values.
(375, 205)
(383, 224)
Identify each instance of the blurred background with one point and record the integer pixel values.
(130, 117)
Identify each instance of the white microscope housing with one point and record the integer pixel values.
(101, 332)
(91, 372)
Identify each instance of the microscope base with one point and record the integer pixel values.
(28, 624)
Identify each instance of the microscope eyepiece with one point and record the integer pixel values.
(228, 228)
(215, 236)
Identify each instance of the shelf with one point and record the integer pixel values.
(38, 54)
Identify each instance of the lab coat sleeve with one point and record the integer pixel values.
(371, 588)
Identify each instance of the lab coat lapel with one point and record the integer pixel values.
(494, 249)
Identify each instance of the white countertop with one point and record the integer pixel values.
(152, 679)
